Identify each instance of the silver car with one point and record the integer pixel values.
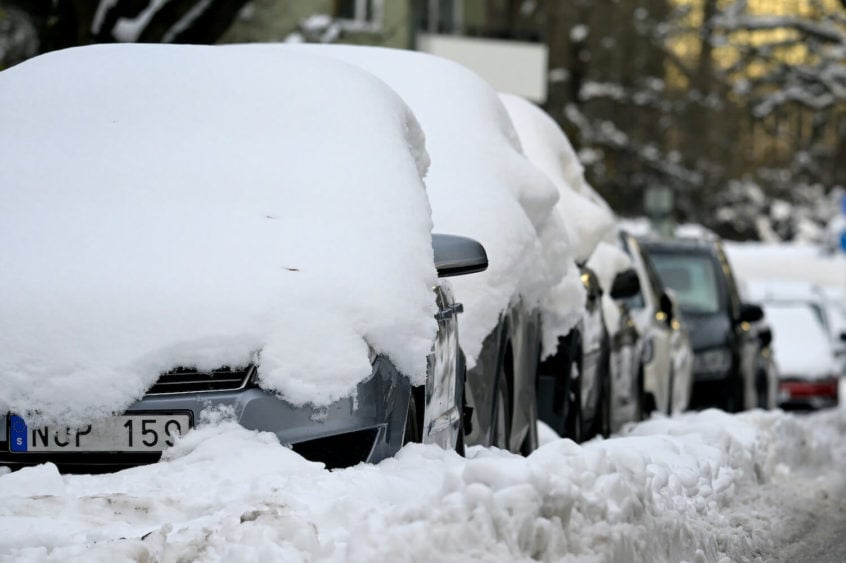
(668, 357)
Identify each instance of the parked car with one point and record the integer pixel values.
(824, 307)
(171, 246)
(808, 371)
(836, 305)
(725, 349)
(667, 363)
(595, 367)
(479, 179)
(573, 391)
(627, 354)
(767, 378)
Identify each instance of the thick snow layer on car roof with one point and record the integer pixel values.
(783, 290)
(479, 183)
(587, 218)
(172, 206)
(801, 346)
(808, 263)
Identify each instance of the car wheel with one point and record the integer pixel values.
(413, 420)
(640, 395)
(649, 405)
(733, 400)
(762, 388)
(502, 409)
(670, 391)
(573, 419)
(603, 418)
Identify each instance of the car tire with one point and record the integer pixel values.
(602, 423)
(640, 395)
(413, 431)
(670, 391)
(733, 398)
(501, 421)
(649, 404)
(573, 419)
(762, 389)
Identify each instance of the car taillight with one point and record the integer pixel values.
(798, 389)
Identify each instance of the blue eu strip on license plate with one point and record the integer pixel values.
(17, 434)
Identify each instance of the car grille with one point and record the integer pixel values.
(190, 380)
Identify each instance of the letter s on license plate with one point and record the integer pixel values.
(127, 433)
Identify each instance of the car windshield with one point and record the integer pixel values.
(692, 277)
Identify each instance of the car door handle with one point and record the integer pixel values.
(449, 312)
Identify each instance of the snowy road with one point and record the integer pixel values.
(822, 541)
(699, 487)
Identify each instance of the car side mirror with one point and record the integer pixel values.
(626, 285)
(766, 337)
(750, 313)
(456, 256)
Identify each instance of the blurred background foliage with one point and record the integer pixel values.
(734, 106)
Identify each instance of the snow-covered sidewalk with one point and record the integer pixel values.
(699, 487)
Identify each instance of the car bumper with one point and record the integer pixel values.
(366, 427)
(804, 394)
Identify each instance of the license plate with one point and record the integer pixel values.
(127, 433)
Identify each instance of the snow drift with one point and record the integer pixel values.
(166, 206)
(699, 487)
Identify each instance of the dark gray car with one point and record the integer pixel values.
(725, 348)
(374, 423)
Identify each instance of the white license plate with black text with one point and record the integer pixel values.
(126, 433)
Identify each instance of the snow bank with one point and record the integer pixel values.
(165, 206)
(480, 184)
(698, 488)
(801, 345)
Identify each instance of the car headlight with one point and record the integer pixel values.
(717, 360)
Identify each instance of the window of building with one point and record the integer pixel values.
(442, 16)
(359, 14)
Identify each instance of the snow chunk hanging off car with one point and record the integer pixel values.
(588, 218)
(166, 206)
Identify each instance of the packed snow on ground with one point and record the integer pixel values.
(698, 487)
(479, 183)
(166, 206)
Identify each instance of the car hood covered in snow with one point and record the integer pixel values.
(166, 206)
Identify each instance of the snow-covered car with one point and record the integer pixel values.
(808, 371)
(480, 182)
(191, 233)
(725, 349)
(814, 296)
(588, 382)
(835, 299)
(668, 356)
